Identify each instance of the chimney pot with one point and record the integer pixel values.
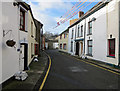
(80, 13)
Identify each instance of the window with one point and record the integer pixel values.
(78, 30)
(111, 47)
(82, 31)
(89, 47)
(64, 46)
(72, 33)
(71, 46)
(22, 20)
(60, 36)
(60, 46)
(32, 29)
(65, 35)
(32, 50)
(90, 27)
(36, 49)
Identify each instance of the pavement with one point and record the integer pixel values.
(99, 63)
(35, 76)
(71, 73)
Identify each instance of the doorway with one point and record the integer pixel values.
(24, 56)
(81, 47)
(77, 48)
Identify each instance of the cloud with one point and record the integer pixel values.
(49, 14)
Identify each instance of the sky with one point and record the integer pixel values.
(49, 12)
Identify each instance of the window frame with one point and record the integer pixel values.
(89, 27)
(23, 12)
(78, 34)
(89, 46)
(71, 46)
(109, 49)
(72, 33)
(64, 46)
(81, 35)
(60, 46)
(60, 36)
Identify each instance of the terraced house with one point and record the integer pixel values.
(18, 38)
(63, 41)
(96, 34)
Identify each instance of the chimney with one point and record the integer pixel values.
(80, 13)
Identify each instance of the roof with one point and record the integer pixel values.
(64, 31)
(38, 22)
(97, 7)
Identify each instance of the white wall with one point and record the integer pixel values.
(106, 23)
(10, 56)
(71, 40)
(99, 50)
(55, 45)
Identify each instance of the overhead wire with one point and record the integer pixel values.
(70, 10)
(83, 7)
(76, 12)
(75, 9)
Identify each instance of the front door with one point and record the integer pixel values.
(24, 56)
(81, 47)
(77, 48)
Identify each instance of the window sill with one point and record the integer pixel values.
(89, 55)
(111, 56)
(23, 30)
(80, 36)
(89, 34)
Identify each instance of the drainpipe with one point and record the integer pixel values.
(119, 35)
(84, 39)
(75, 39)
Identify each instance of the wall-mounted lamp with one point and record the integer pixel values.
(93, 19)
(6, 32)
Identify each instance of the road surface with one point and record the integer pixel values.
(68, 73)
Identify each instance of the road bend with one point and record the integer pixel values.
(68, 73)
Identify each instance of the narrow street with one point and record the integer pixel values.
(68, 73)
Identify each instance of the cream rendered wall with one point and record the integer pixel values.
(113, 28)
(31, 39)
(10, 56)
(1, 34)
(63, 41)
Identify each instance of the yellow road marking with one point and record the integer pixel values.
(96, 65)
(41, 87)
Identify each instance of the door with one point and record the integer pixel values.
(24, 56)
(77, 48)
(81, 47)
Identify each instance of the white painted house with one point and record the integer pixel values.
(96, 34)
(14, 27)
